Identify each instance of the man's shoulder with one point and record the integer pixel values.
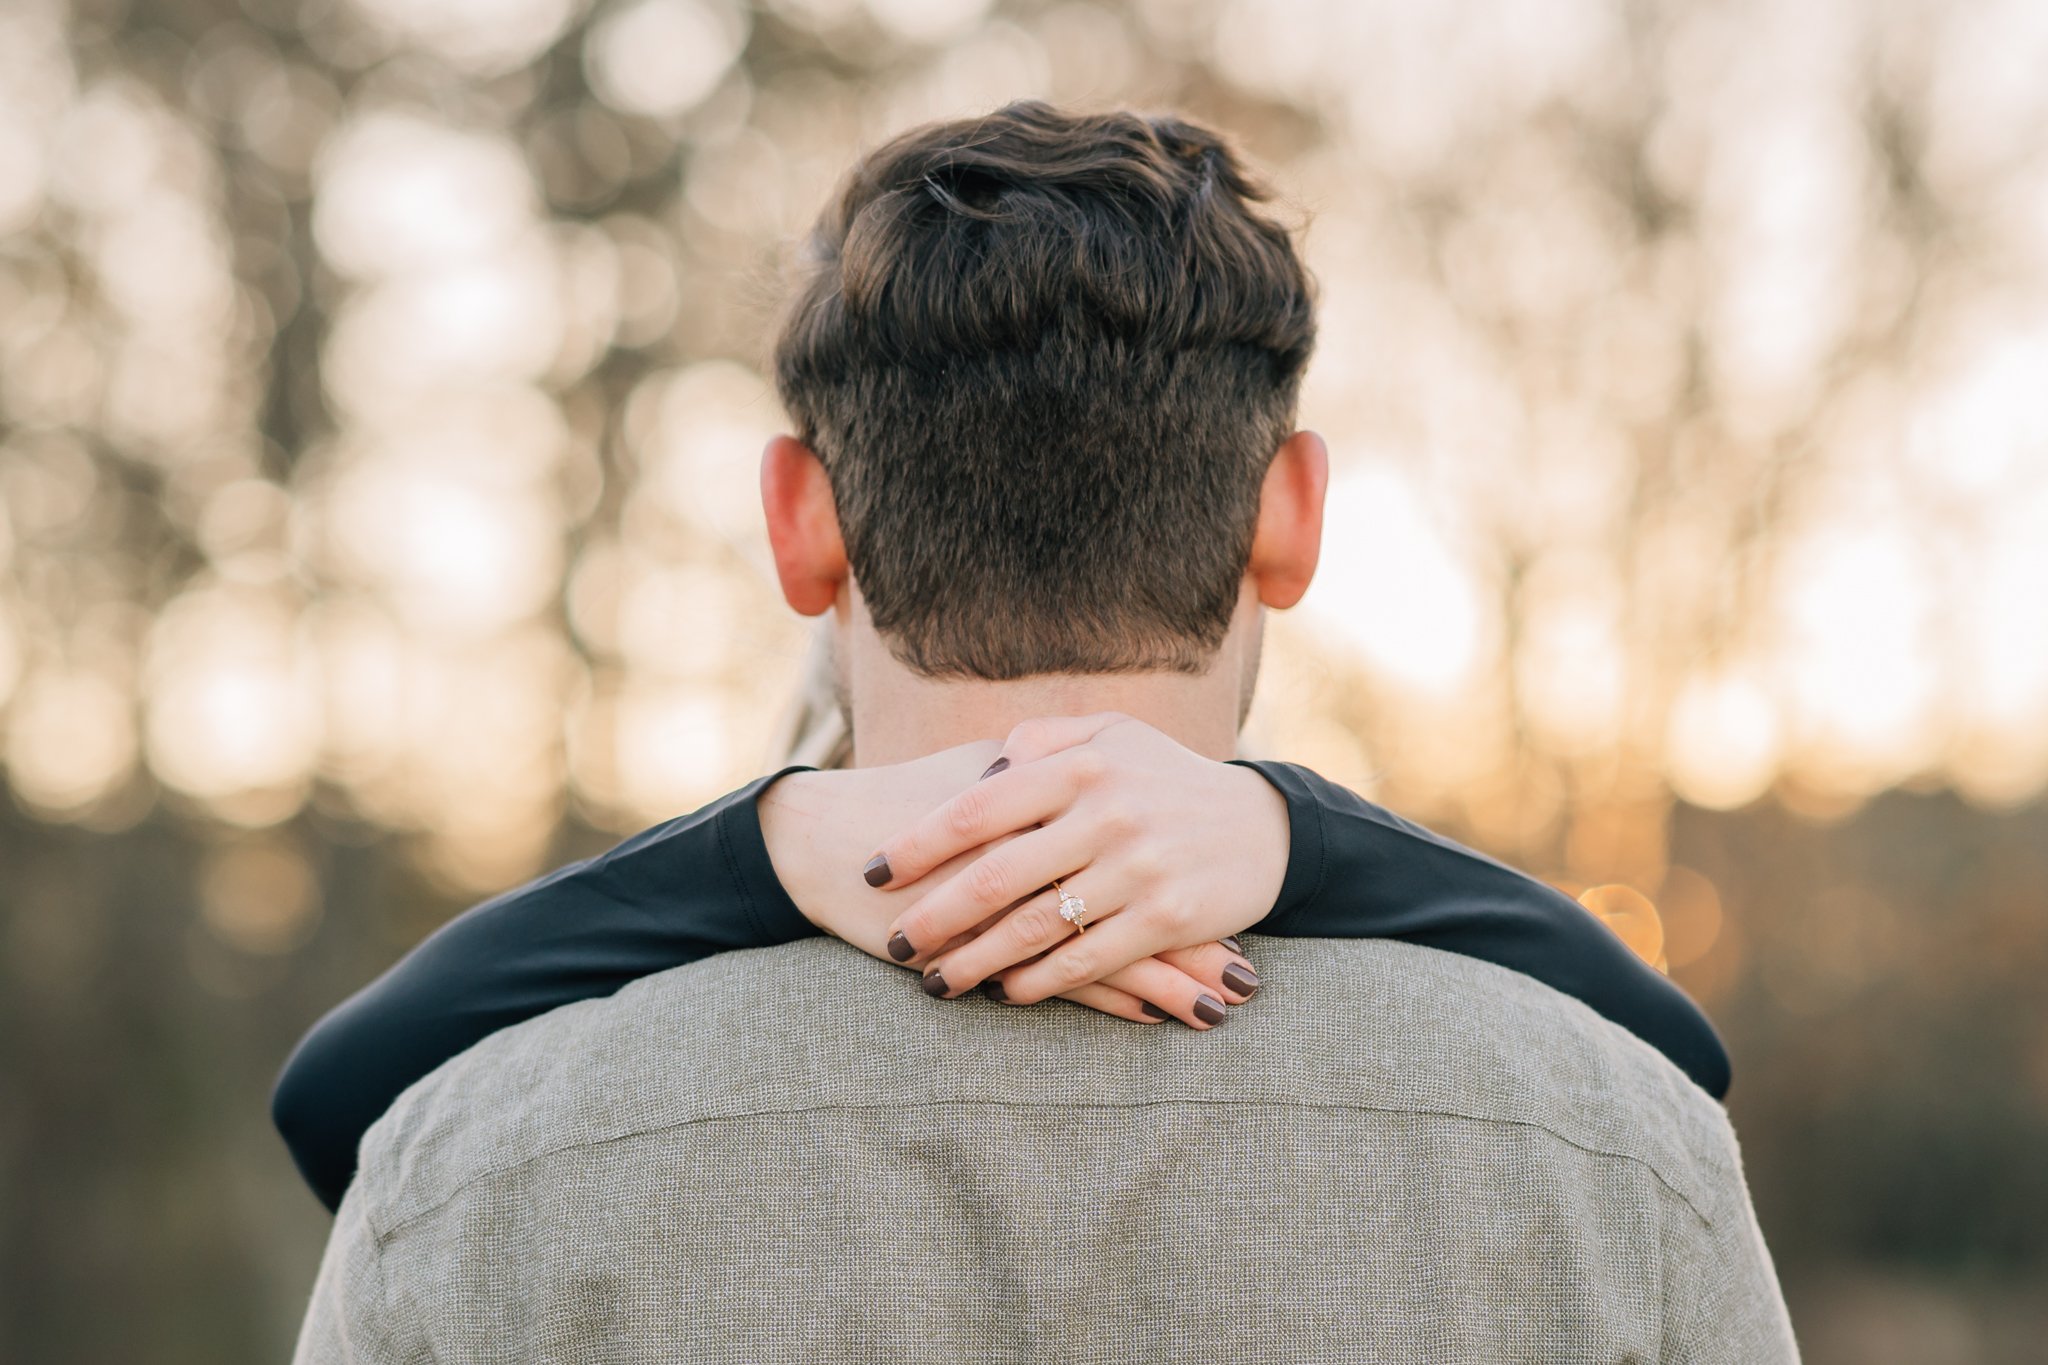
(1366, 1025)
(713, 1038)
(1473, 1038)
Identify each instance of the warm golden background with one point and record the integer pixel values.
(380, 394)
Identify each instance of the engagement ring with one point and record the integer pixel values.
(1072, 908)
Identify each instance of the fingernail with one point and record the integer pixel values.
(1240, 978)
(993, 989)
(934, 985)
(1153, 1011)
(900, 949)
(1208, 1009)
(877, 870)
(995, 768)
(1232, 944)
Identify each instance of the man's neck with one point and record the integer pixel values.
(899, 715)
(925, 715)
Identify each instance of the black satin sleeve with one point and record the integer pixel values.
(1357, 870)
(699, 884)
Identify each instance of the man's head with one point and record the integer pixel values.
(1044, 369)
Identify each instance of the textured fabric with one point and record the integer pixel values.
(703, 883)
(792, 1154)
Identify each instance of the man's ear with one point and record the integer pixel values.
(803, 526)
(1289, 537)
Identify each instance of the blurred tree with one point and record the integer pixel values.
(380, 382)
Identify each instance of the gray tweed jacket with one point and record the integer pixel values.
(791, 1154)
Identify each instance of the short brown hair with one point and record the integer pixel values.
(1046, 359)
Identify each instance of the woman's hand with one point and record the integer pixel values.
(1168, 849)
(820, 827)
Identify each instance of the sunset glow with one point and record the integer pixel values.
(1622, 512)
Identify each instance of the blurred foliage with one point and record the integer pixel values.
(380, 384)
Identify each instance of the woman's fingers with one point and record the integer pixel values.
(1038, 738)
(1148, 992)
(1024, 933)
(988, 810)
(1110, 1000)
(1215, 970)
(1217, 966)
(1173, 990)
(999, 805)
(1108, 945)
(1000, 878)
(922, 962)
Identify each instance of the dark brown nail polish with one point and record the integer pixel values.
(934, 985)
(1153, 1011)
(900, 949)
(877, 870)
(993, 989)
(996, 767)
(1232, 944)
(1240, 978)
(1208, 1009)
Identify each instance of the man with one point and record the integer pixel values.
(1044, 371)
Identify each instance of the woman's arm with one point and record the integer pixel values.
(696, 885)
(703, 883)
(1174, 849)
(1357, 870)
(1331, 864)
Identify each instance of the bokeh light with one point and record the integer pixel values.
(382, 386)
(1711, 476)
(662, 57)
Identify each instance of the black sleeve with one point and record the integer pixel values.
(1357, 870)
(699, 884)
(703, 883)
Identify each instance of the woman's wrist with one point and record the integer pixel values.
(788, 811)
(819, 827)
(1270, 842)
(1305, 857)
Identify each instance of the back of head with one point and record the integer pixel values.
(1046, 358)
